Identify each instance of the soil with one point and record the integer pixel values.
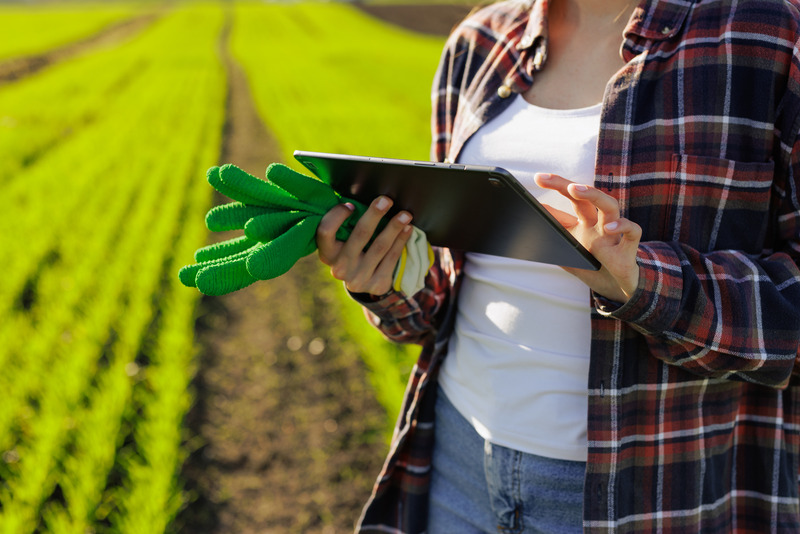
(288, 434)
(285, 434)
(437, 19)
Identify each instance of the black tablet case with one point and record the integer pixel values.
(466, 207)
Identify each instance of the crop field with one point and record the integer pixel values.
(103, 178)
(28, 31)
(348, 86)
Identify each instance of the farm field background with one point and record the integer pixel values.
(64, 23)
(131, 403)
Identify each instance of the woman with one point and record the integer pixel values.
(657, 393)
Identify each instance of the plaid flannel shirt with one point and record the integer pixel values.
(694, 415)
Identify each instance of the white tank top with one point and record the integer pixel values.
(518, 361)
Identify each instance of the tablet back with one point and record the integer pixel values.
(466, 207)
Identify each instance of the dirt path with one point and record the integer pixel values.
(17, 68)
(437, 19)
(288, 434)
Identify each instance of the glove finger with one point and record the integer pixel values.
(310, 190)
(279, 255)
(188, 274)
(264, 192)
(231, 216)
(220, 278)
(269, 226)
(223, 249)
(214, 178)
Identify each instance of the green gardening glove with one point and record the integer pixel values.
(279, 217)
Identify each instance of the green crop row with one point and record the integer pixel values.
(102, 176)
(97, 81)
(97, 341)
(327, 78)
(28, 31)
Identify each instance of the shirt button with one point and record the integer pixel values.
(666, 30)
(504, 91)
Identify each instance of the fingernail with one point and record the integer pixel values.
(581, 187)
(383, 203)
(349, 206)
(544, 176)
(612, 225)
(404, 218)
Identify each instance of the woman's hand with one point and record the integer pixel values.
(364, 271)
(612, 239)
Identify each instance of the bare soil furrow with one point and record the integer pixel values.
(434, 19)
(287, 435)
(18, 68)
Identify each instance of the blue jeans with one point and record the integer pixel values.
(479, 487)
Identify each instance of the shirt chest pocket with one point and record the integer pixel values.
(718, 204)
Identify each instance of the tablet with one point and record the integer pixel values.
(465, 207)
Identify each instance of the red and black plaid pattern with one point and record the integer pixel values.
(694, 413)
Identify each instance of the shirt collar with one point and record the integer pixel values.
(535, 36)
(658, 20)
(655, 20)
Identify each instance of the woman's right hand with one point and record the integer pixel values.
(364, 271)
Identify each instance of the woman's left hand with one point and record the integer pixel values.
(612, 239)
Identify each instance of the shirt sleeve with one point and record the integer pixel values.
(725, 313)
(416, 318)
(445, 96)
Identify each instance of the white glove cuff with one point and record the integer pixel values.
(415, 262)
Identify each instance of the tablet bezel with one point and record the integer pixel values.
(472, 207)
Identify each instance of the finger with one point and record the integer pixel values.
(583, 208)
(327, 245)
(624, 267)
(628, 230)
(365, 227)
(551, 181)
(607, 207)
(381, 278)
(567, 220)
(386, 268)
(384, 241)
